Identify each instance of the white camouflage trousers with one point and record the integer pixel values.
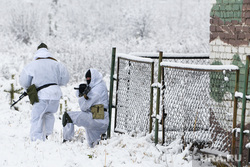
(94, 127)
(42, 119)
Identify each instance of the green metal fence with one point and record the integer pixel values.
(197, 102)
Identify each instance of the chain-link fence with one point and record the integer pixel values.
(134, 94)
(197, 100)
(198, 104)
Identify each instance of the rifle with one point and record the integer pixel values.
(83, 90)
(20, 98)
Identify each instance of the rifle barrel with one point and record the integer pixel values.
(20, 98)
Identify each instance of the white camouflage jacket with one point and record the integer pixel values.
(44, 71)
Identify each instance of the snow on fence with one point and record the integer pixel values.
(197, 104)
(188, 58)
(196, 100)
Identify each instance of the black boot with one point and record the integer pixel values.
(104, 137)
(66, 119)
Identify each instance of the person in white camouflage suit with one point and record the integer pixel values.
(47, 74)
(97, 95)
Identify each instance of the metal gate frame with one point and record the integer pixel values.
(113, 78)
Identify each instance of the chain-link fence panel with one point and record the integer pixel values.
(133, 94)
(203, 61)
(198, 104)
(187, 58)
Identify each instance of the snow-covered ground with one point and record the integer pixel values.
(120, 150)
(80, 32)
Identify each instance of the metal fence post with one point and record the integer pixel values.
(243, 110)
(111, 88)
(163, 107)
(151, 98)
(235, 112)
(158, 99)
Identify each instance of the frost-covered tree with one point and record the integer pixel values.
(81, 33)
(27, 21)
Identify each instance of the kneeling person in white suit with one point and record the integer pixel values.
(93, 102)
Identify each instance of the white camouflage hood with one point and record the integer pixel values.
(96, 77)
(42, 53)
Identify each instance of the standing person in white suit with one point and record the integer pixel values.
(94, 116)
(43, 78)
